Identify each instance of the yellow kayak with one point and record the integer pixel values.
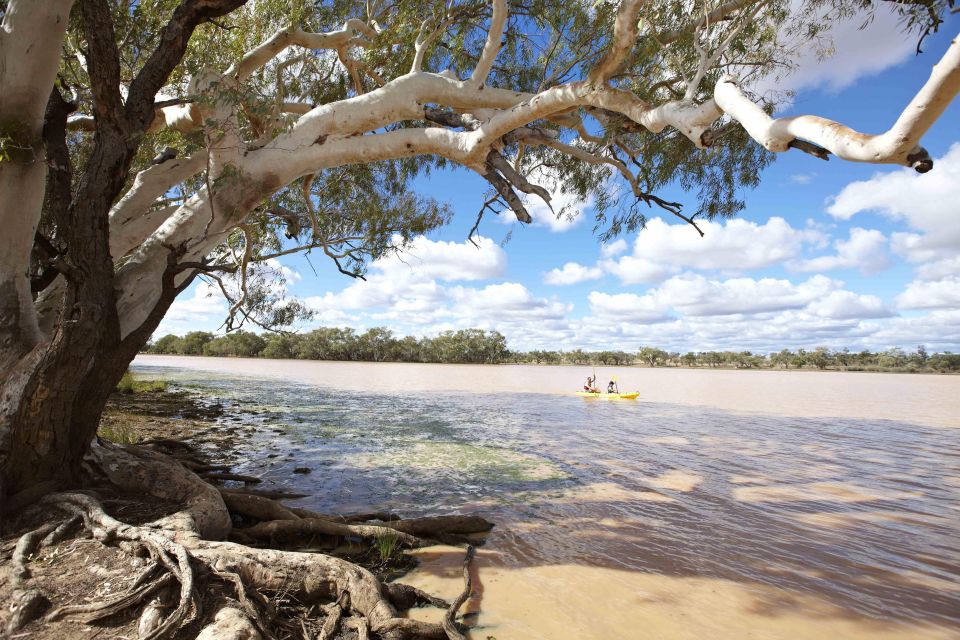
(609, 396)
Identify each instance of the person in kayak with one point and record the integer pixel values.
(612, 387)
(589, 386)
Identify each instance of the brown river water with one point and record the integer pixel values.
(721, 504)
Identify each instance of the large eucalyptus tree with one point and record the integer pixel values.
(146, 143)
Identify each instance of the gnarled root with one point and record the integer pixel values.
(27, 604)
(188, 545)
(230, 624)
(167, 552)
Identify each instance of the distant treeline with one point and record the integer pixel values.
(473, 346)
(476, 346)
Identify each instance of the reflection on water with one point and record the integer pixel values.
(647, 519)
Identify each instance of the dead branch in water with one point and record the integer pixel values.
(449, 624)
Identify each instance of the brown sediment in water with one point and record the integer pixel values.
(703, 530)
(548, 602)
(931, 400)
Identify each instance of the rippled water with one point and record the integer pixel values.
(658, 518)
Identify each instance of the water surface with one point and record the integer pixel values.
(723, 504)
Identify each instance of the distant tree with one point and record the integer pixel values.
(168, 344)
(652, 357)
(193, 343)
(281, 346)
(373, 345)
(892, 358)
(843, 357)
(799, 359)
(820, 358)
(406, 349)
(782, 358)
(243, 344)
(712, 358)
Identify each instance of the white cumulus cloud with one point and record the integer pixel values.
(931, 294)
(732, 246)
(856, 53)
(614, 248)
(447, 260)
(695, 295)
(627, 306)
(205, 310)
(939, 269)
(846, 305)
(865, 250)
(928, 203)
(572, 273)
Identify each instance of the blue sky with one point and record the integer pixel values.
(832, 253)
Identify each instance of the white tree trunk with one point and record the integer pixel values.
(31, 38)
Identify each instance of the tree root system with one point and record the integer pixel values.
(176, 574)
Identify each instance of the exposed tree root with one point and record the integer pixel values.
(141, 589)
(265, 493)
(404, 597)
(278, 522)
(26, 546)
(449, 624)
(216, 475)
(188, 546)
(25, 606)
(170, 554)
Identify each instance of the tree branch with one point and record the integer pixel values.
(899, 145)
(168, 54)
(625, 29)
(491, 48)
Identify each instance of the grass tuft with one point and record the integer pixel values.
(129, 385)
(387, 545)
(118, 434)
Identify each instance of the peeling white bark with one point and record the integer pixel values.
(350, 35)
(689, 118)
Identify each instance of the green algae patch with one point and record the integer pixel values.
(476, 461)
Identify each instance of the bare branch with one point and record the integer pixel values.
(491, 48)
(496, 161)
(506, 191)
